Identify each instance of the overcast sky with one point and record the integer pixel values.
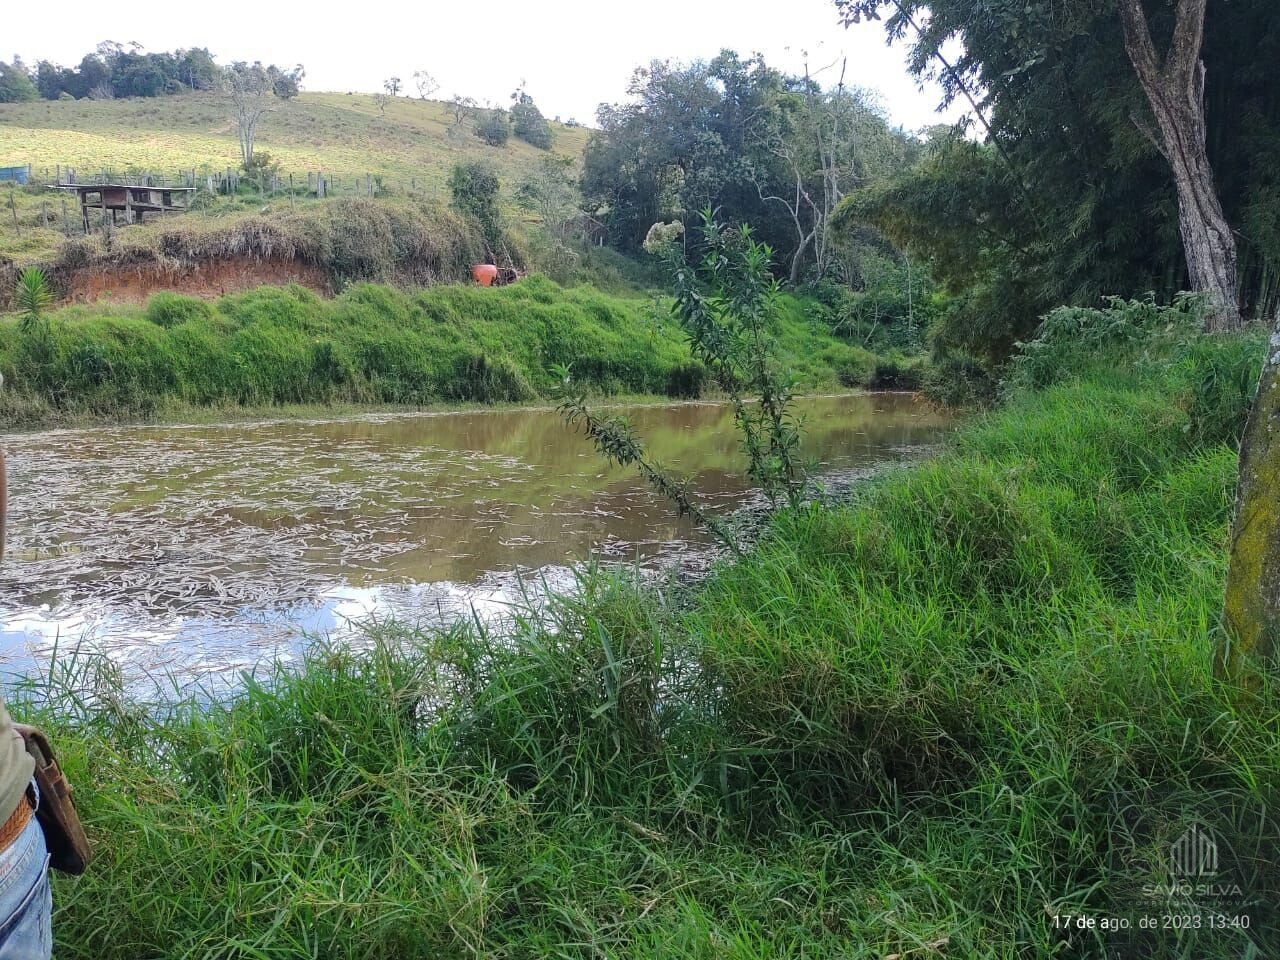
(573, 54)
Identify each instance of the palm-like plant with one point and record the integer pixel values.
(32, 297)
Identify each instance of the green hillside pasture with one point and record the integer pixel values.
(344, 135)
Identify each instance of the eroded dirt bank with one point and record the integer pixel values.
(208, 278)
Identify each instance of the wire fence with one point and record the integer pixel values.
(49, 204)
(232, 181)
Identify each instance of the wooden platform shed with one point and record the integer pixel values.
(131, 200)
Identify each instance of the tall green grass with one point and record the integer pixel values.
(922, 723)
(372, 344)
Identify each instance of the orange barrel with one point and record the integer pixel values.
(484, 273)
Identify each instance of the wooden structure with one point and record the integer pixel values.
(130, 199)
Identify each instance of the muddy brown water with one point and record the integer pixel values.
(196, 552)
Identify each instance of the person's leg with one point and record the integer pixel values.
(26, 900)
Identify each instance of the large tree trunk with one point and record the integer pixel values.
(1175, 91)
(797, 261)
(1252, 609)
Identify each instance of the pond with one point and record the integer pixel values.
(197, 551)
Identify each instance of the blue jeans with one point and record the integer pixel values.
(26, 902)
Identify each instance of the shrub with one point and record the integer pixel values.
(686, 381)
(474, 188)
(956, 380)
(493, 127)
(855, 372)
(529, 123)
(168, 309)
(898, 374)
(1071, 337)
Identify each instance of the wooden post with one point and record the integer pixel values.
(13, 206)
(128, 206)
(368, 182)
(291, 191)
(66, 221)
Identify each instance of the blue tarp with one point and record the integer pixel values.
(17, 174)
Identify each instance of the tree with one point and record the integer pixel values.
(952, 208)
(1252, 609)
(761, 147)
(49, 80)
(462, 108)
(249, 88)
(92, 74)
(1175, 90)
(114, 70)
(1056, 91)
(474, 188)
(681, 142)
(392, 85)
(286, 84)
(197, 69)
(15, 83)
(425, 83)
(493, 126)
(527, 120)
(551, 193)
(826, 147)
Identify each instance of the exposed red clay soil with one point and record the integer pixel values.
(210, 279)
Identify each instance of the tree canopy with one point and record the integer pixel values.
(1068, 197)
(116, 70)
(759, 146)
(15, 84)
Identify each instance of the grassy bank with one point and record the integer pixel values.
(343, 241)
(370, 345)
(924, 723)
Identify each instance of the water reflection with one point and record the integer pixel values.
(202, 549)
